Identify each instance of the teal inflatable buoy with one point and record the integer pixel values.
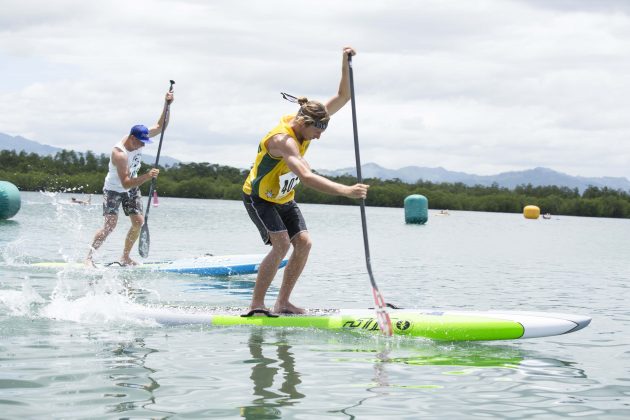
(10, 201)
(416, 209)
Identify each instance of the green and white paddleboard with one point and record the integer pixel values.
(432, 324)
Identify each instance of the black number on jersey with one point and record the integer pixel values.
(288, 186)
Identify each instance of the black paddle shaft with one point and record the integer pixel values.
(157, 158)
(359, 177)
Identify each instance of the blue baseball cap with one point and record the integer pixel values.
(141, 133)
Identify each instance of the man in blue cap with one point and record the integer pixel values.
(122, 185)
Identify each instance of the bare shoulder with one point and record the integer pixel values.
(280, 138)
(282, 144)
(117, 151)
(118, 156)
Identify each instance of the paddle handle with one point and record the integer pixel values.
(167, 105)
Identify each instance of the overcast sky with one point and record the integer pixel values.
(475, 86)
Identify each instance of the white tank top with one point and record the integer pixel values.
(112, 181)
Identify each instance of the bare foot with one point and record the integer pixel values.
(89, 263)
(127, 262)
(288, 308)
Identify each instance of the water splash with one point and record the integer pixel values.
(21, 302)
(95, 308)
(100, 302)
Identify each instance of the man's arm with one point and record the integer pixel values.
(342, 97)
(285, 146)
(157, 128)
(119, 159)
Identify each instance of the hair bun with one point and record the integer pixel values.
(302, 100)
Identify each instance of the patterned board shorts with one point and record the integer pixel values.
(131, 202)
(272, 218)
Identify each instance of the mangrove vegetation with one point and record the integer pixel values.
(85, 172)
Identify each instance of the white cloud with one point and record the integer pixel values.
(479, 87)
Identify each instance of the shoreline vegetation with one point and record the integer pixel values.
(84, 172)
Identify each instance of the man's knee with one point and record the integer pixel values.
(280, 242)
(302, 242)
(110, 224)
(137, 221)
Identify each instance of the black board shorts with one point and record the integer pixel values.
(274, 218)
(131, 202)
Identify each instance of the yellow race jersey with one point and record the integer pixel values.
(270, 178)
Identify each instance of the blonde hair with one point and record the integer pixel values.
(312, 112)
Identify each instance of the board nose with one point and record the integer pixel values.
(580, 321)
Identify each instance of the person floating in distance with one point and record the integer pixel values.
(84, 202)
(122, 185)
(268, 191)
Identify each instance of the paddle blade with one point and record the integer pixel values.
(144, 242)
(382, 317)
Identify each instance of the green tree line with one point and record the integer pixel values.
(85, 172)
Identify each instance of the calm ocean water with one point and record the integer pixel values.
(67, 351)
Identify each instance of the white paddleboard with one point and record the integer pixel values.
(210, 265)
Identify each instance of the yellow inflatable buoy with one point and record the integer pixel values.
(531, 212)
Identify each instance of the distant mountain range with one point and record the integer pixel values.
(19, 144)
(536, 177)
(410, 174)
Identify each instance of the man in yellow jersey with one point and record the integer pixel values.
(269, 190)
